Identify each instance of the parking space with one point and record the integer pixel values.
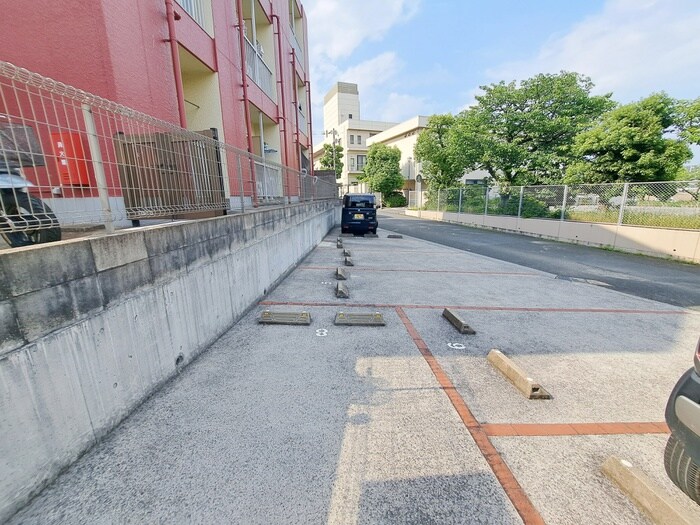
(404, 423)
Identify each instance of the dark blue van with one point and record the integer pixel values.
(359, 213)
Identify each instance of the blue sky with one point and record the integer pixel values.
(413, 57)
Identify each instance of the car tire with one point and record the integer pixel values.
(681, 468)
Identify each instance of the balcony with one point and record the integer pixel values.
(200, 11)
(303, 125)
(258, 71)
(297, 49)
(268, 181)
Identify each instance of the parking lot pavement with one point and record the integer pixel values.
(405, 423)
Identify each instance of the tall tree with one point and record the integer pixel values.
(523, 133)
(688, 118)
(631, 144)
(434, 150)
(382, 172)
(332, 158)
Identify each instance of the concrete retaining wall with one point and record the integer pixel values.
(90, 327)
(657, 242)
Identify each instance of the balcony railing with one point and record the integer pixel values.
(195, 8)
(258, 71)
(303, 126)
(268, 181)
(297, 48)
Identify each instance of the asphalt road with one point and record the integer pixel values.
(667, 281)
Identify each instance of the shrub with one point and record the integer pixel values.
(395, 200)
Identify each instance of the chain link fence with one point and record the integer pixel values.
(68, 157)
(674, 204)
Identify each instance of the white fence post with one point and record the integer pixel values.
(438, 202)
(459, 208)
(486, 199)
(520, 203)
(240, 182)
(563, 203)
(98, 167)
(623, 201)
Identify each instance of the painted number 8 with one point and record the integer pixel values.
(321, 332)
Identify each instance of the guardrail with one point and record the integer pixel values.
(674, 204)
(88, 160)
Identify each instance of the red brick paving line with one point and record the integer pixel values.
(504, 475)
(573, 429)
(477, 308)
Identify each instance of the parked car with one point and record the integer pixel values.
(682, 455)
(359, 213)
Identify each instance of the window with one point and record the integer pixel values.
(350, 116)
(361, 159)
(352, 139)
(359, 139)
(352, 163)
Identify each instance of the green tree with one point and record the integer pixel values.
(330, 161)
(433, 149)
(689, 173)
(631, 144)
(382, 172)
(688, 119)
(524, 133)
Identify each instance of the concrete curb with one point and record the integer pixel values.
(645, 493)
(517, 376)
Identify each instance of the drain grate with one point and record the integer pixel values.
(374, 319)
(297, 318)
(394, 236)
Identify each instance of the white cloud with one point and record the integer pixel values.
(372, 72)
(632, 48)
(399, 107)
(339, 26)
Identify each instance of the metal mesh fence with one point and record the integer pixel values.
(663, 204)
(673, 204)
(69, 157)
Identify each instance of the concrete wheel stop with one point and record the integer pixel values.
(456, 321)
(359, 319)
(346, 253)
(341, 290)
(293, 318)
(529, 388)
(348, 262)
(341, 274)
(645, 493)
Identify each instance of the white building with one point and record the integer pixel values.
(342, 124)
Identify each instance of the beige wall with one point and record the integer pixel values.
(657, 242)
